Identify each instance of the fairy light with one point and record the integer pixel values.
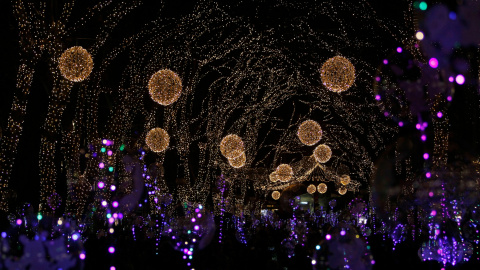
(309, 132)
(284, 172)
(232, 146)
(276, 195)
(322, 153)
(322, 188)
(338, 74)
(238, 162)
(342, 190)
(345, 180)
(75, 64)
(157, 140)
(311, 189)
(273, 177)
(165, 87)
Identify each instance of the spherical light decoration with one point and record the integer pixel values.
(165, 87)
(75, 64)
(157, 139)
(309, 132)
(345, 180)
(273, 177)
(337, 74)
(322, 153)
(276, 195)
(232, 146)
(342, 190)
(311, 189)
(284, 172)
(322, 188)
(239, 161)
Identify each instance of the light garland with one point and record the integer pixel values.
(75, 64)
(338, 74)
(157, 140)
(284, 172)
(165, 87)
(238, 162)
(322, 153)
(342, 190)
(273, 177)
(276, 195)
(232, 146)
(322, 188)
(345, 180)
(311, 189)
(309, 132)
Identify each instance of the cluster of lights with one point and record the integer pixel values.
(233, 149)
(157, 139)
(322, 153)
(309, 132)
(338, 74)
(284, 172)
(165, 87)
(75, 64)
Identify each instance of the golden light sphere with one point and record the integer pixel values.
(157, 139)
(232, 146)
(165, 87)
(311, 189)
(337, 74)
(345, 180)
(322, 188)
(322, 153)
(284, 172)
(276, 195)
(239, 161)
(273, 177)
(75, 64)
(309, 132)
(342, 190)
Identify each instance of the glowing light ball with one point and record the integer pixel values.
(342, 190)
(419, 35)
(460, 79)
(337, 74)
(284, 172)
(273, 177)
(345, 180)
(322, 153)
(309, 132)
(232, 146)
(165, 87)
(238, 162)
(157, 139)
(75, 64)
(276, 195)
(311, 189)
(322, 188)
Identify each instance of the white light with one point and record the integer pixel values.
(419, 35)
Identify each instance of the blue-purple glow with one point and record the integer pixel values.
(433, 62)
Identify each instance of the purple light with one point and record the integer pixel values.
(433, 213)
(377, 79)
(111, 249)
(4, 235)
(101, 185)
(378, 97)
(433, 62)
(372, 262)
(425, 156)
(75, 236)
(460, 79)
(385, 61)
(109, 152)
(424, 137)
(120, 215)
(19, 222)
(196, 227)
(449, 98)
(452, 15)
(439, 114)
(115, 204)
(400, 123)
(111, 220)
(342, 232)
(199, 215)
(428, 175)
(104, 203)
(430, 194)
(101, 165)
(82, 256)
(113, 187)
(197, 210)
(399, 49)
(328, 237)
(193, 220)
(417, 126)
(115, 215)
(450, 79)
(112, 268)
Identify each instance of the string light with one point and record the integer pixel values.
(232, 146)
(311, 189)
(75, 64)
(165, 87)
(238, 162)
(322, 188)
(284, 172)
(345, 180)
(276, 195)
(342, 190)
(309, 132)
(273, 177)
(338, 74)
(157, 140)
(322, 153)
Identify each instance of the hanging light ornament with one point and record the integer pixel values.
(284, 172)
(322, 153)
(273, 177)
(342, 190)
(309, 132)
(157, 139)
(337, 74)
(238, 162)
(232, 146)
(311, 189)
(75, 64)
(345, 180)
(322, 188)
(276, 195)
(165, 87)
